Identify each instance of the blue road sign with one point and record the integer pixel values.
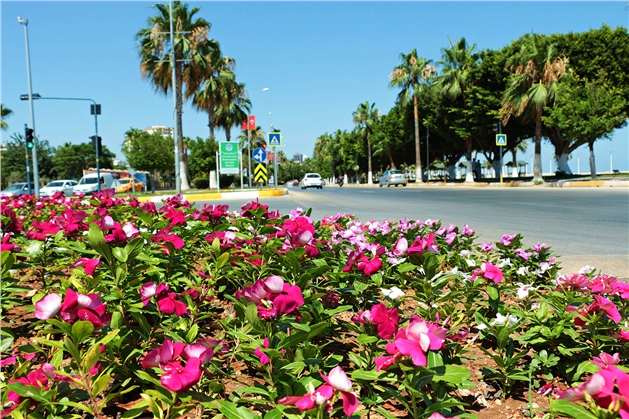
(259, 155)
(275, 139)
(501, 140)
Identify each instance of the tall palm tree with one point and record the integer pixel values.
(365, 117)
(457, 62)
(191, 46)
(234, 106)
(4, 111)
(219, 74)
(411, 77)
(536, 70)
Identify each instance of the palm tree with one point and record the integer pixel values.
(4, 111)
(191, 46)
(536, 70)
(457, 62)
(234, 107)
(219, 75)
(411, 76)
(365, 117)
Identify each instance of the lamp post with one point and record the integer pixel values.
(427, 156)
(249, 171)
(30, 100)
(174, 86)
(94, 109)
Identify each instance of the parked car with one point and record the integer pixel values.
(312, 180)
(392, 177)
(16, 189)
(64, 186)
(124, 185)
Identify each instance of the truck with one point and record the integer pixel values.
(89, 183)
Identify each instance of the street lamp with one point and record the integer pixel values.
(249, 137)
(94, 109)
(30, 100)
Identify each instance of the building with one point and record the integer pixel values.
(298, 158)
(165, 131)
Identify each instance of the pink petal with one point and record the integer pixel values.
(48, 306)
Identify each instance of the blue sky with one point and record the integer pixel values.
(320, 60)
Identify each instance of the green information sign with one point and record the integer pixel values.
(229, 162)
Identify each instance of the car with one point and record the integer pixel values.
(124, 185)
(89, 183)
(392, 177)
(16, 189)
(64, 186)
(312, 180)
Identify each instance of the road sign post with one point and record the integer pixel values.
(501, 141)
(275, 140)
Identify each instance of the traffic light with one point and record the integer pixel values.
(98, 144)
(30, 139)
(495, 125)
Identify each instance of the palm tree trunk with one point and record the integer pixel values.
(183, 166)
(469, 172)
(210, 122)
(537, 163)
(391, 162)
(592, 160)
(418, 156)
(228, 134)
(369, 174)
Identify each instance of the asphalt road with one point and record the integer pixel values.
(582, 225)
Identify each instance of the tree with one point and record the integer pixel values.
(150, 152)
(234, 106)
(191, 48)
(536, 70)
(202, 157)
(457, 61)
(219, 75)
(411, 76)
(586, 112)
(13, 167)
(365, 117)
(70, 160)
(4, 112)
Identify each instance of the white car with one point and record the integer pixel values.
(312, 180)
(65, 186)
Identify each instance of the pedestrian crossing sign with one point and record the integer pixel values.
(501, 140)
(275, 139)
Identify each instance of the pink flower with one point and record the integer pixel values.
(198, 350)
(84, 307)
(386, 320)
(175, 216)
(159, 357)
(48, 306)
(89, 265)
(605, 360)
(177, 378)
(168, 304)
(339, 381)
(400, 247)
(488, 271)
(273, 296)
(422, 245)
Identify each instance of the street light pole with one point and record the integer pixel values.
(427, 149)
(30, 100)
(174, 83)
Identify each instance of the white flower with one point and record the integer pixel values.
(481, 326)
(465, 253)
(394, 293)
(523, 270)
(523, 290)
(511, 319)
(505, 262)
(470, 262)
(586, 270)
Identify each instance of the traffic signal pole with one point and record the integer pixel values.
(28, 165)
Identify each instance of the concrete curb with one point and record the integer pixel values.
(212, 196)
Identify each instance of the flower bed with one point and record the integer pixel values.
(116, 308)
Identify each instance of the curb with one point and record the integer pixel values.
(219, 195)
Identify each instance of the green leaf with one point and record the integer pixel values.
(570, 409)
(97, 241)
(34, 248)
(100, 384)
(120, 254)
(406, 267)
(155, 409)
(72, 348)
(453, 374)
(273, 414)
(81, 330)
(133, 248)
(377, 279)
(222, 260)
(365, 339)
(231, 411)
(367, 375)
(251, 314)
(493, 293)
(192, 333)
(91, 358)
